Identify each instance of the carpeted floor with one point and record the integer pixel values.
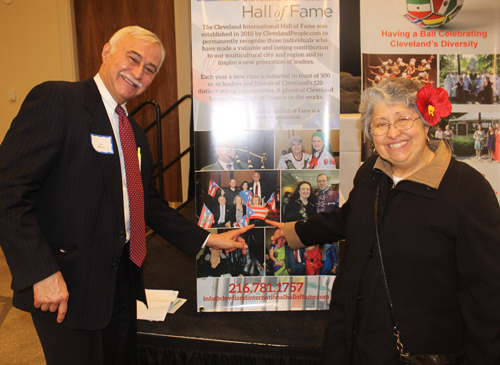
(19, 343)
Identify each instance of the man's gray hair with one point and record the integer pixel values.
(391, 91)
(140, 34)
(325, 175)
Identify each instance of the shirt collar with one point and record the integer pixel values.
(109, 102)
(224, 164)
(432, 173)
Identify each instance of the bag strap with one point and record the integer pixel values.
(396, 333)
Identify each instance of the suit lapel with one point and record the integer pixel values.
(110, 163)
(218, 166)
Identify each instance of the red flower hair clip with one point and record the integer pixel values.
(433, 104)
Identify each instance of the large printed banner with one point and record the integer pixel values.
(266, 113)
(453, 44)
(265, 64)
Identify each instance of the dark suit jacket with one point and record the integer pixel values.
(61, 202)
(216, 213)
(265, 194)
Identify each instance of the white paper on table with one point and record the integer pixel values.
(159, 302)
(176, 305)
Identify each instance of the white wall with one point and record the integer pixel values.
(38, 44)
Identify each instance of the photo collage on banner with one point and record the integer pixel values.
(452, 44)
(266, 118)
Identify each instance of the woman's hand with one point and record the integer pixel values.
(279, 235)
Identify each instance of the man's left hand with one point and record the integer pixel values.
(230, 240)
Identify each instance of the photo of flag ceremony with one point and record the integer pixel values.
(250, 182)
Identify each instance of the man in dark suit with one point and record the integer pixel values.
(221, 213)
(259, 188)
(66, 211)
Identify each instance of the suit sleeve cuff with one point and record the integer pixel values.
(205, 243)
(291, 236)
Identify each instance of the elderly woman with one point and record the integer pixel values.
(296, 158)
(414, 210)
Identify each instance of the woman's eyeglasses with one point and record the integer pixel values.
(380, 127)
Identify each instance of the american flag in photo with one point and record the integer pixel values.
(212, 188)
(256, 213)
(206, 218)
(272, 202)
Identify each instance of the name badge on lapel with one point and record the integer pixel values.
(102, 144)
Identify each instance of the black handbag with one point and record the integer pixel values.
(404, 357)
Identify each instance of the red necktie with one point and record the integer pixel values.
(256, 188)
(134, 189)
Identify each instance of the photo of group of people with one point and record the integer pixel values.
(472, 136)
(248, 177)
(470, 79)
(232, 199)
(419, 67)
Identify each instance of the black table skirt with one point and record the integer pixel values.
(188, 337)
